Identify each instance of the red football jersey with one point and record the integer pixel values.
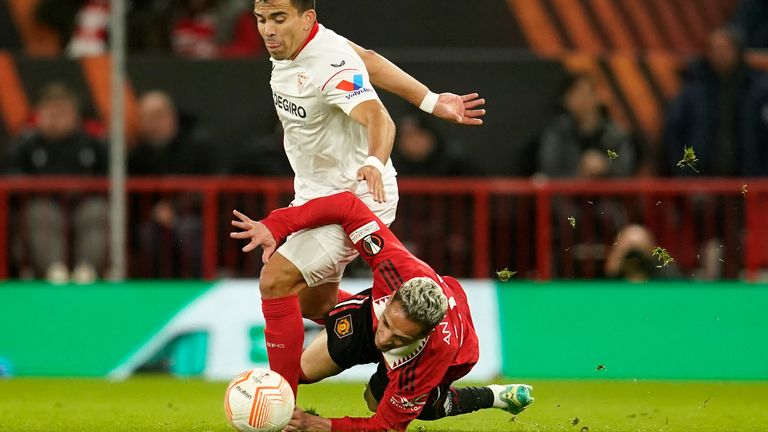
(444, 356)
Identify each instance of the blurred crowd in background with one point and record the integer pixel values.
(721, 110)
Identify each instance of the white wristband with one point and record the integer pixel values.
(429, 102)
(375, 162)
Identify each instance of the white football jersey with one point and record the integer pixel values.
(313, 95)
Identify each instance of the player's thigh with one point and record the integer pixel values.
(316, 361)
(318, 300)
(319, 254)
(376, 387)
(280, 278)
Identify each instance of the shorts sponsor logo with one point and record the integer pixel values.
(404, 404)
(343, 326)
(373, 244)
(369, 228)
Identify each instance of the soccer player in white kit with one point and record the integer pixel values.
(338, 137)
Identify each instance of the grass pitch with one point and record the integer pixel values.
(168, 404)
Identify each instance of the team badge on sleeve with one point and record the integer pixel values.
(373, 244)
(343, 326)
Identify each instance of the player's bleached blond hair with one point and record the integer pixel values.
(423, 302)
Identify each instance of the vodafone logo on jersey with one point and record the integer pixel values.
(354, 88)
(356, 84)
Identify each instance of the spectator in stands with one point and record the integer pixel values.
(576, 143)
(751, 21)
(170, 143)
(192, 28)
(630, 257)
(263, 156)
(580, 143)
(82, 25)
(212, 28)
(721, 112)
(238, 35)
(420, 150)
(57, 145)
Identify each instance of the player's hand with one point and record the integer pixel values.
(296, 423)
(372, 176)
(460, 109)
(303, 422)
(257, 232)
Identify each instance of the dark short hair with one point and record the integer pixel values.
(301, 5)
(57, 91)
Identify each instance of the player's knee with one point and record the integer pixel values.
(280, 281)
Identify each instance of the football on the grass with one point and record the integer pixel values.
(259, 400)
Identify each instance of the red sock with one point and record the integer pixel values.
(284, 335)
(304, 380)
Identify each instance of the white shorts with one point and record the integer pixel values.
(321, 254)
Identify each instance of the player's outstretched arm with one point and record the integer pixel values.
(372, 238)
(461, 109)
(381, 138)
(258, 234)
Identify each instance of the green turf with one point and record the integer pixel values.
(166, 404)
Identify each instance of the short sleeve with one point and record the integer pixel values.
(348, 88)
(340, 75)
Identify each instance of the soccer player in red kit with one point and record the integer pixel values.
(414, 323)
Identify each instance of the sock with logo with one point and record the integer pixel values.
(462, 400)
(457, 401)
(284, 336)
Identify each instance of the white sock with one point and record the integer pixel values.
(496, 389)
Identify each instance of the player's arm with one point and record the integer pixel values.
(362, 226)
(406, 394)
(447, 106)
(381, 137)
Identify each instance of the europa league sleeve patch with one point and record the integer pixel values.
(372, 244)
(343, 326)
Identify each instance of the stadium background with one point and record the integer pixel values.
(552, 320)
